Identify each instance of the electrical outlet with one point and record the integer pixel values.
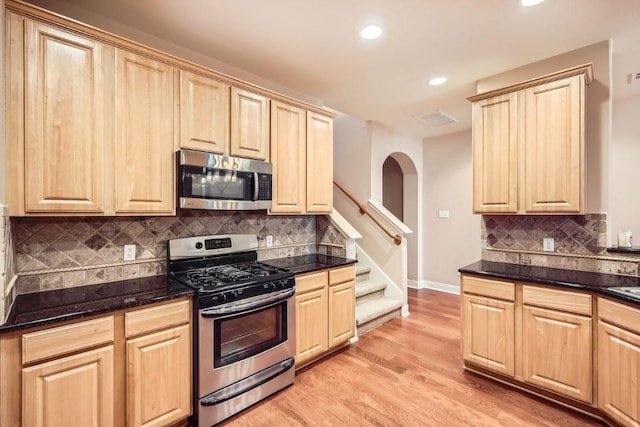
(443, 214)
(269, 241)
(548, 245)
(129, 252)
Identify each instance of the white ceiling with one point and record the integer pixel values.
(313, 47)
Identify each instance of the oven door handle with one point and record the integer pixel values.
(251, 304)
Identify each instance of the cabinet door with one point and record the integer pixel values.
(556, 351)
(288, 155)
(488, 338)
(311, 325)
(619, 362)
(159, 377)
(64, 149)
(72, 391)
(495, 154)
(204, 113)
(144, 146)
(553, 146)
(319, 176)
(249, 124)
(342, 313)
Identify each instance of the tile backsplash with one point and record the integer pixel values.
(580, 243)
(7, 266)
(52, 253)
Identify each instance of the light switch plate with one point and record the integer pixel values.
(443, 214)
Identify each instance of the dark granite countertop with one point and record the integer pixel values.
(42, 308)
(308, 263)
(582, 280)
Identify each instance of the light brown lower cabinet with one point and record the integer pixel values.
(325, 312)
(74, 390)
(128, 368)
(547, 340)
(619, 362)
(557, 341)
(487, 311)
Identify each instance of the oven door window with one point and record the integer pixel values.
(220, 184)
(245, 335)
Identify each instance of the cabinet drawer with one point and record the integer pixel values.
(311, 281)
(66, 339)
(619, 315)
(341, 275)
(570, 301)
(489, 288)
(156, 318)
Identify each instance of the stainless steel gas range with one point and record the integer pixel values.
(244, 323)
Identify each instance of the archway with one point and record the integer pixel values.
(400, 197)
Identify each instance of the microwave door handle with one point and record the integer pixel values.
(256, 186)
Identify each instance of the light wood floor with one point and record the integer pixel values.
(406, 373)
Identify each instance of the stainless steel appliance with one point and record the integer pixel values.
(244, 327)
(214, 181)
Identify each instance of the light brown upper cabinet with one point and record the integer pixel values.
(288, 155)
(319, 163)
(93, 122)
(249, 124)
(89, 126)
(302, 156)
(204, 113)
(528, 145)
(144, 154)
(55, 118)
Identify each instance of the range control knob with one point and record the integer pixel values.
(198, 245)
(222, 297)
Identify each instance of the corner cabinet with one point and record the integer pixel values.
(528, 145)
(325, 312)
(302, 157)
(103, 371)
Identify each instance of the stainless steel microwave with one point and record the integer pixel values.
(214, 181)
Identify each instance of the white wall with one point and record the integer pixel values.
(351, 155)
(454, 242)
(625, 158)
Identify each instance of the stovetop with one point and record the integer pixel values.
(224, 269)
(222, 277)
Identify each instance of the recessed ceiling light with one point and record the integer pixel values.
(371, 32)
(437, 81)
(528, 3)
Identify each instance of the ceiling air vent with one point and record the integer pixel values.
(437, 118)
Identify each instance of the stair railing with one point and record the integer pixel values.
(397, 239)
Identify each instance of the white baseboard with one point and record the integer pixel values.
(437, 286)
